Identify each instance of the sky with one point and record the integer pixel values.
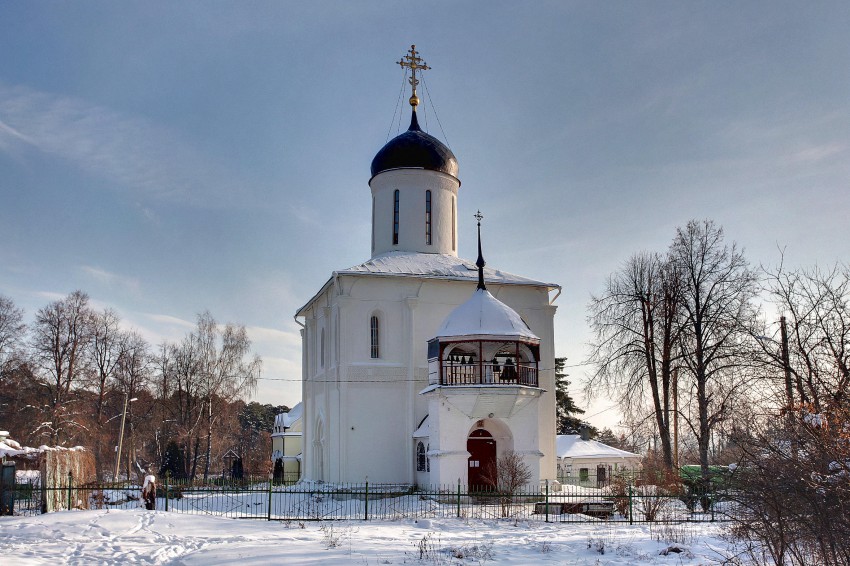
(171, 158)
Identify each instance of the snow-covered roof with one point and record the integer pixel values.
(483, 315)
(286, 420)
(441, 266)
(430, 266)
(424, 430)
(9, 448)
(572, 446)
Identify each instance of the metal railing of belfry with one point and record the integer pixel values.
(486, 373)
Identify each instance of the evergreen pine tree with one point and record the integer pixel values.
(568, 421)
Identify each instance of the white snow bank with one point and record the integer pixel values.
(156, 537)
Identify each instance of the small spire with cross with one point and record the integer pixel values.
(480, 263)
(415, 63)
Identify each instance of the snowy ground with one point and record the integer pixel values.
(155, 537)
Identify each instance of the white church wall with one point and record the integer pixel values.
(450, 430)
(380, 397)
(375, 446)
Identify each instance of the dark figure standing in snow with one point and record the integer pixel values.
(149, 492)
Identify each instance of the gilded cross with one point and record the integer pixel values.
(415, 63)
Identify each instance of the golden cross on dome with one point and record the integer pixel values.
(415, 63)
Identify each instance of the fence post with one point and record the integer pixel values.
(713, 501)
(70, 479)
(458, 498)
(366, 513)
(631, 513)
(547, 501)
(269, 514)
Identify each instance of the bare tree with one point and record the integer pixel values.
(133, 374)
(226, 372)
(506, 476)
(637, 322)
(12, 329)
(179, 369)
(816, 349)
(106, 347)
(718, 288)
(60, 335)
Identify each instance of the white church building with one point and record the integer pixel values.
(420, 367)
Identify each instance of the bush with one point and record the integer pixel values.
(792, 490)
(506, 477)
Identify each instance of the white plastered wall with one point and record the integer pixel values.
(412, 185)
(370, 408)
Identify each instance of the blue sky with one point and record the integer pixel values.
(169, 158)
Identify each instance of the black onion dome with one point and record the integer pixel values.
(415, 149)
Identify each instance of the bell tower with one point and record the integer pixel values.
(414, 186)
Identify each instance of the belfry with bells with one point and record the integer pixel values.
(420, 367)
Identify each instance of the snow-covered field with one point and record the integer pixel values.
(136, 536)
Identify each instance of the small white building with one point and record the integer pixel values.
(591, 463)
(286, 442)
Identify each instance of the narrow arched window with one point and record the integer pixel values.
(428, 217)
(427, 459)
(395, 217)
(421, 459)
(374, 337)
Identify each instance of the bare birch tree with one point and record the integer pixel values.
(226, 371)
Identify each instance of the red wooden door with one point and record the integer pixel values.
(482, 457)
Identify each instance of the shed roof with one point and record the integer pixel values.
(572, 446)
(286, 420)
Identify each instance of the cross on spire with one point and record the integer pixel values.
(415, 63)
(480, 262)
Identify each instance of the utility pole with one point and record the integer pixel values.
(121, 436)
(127, 400)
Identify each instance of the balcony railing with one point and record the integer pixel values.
(486, 373)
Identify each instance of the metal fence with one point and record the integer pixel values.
(263, 499)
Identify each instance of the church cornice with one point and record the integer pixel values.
(472, 280)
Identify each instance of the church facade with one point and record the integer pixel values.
(420, 367)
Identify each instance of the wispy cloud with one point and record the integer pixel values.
(131, 152)
(170, 320)
(819, 152)
(111, 279)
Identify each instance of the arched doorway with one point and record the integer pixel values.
(482, 459)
